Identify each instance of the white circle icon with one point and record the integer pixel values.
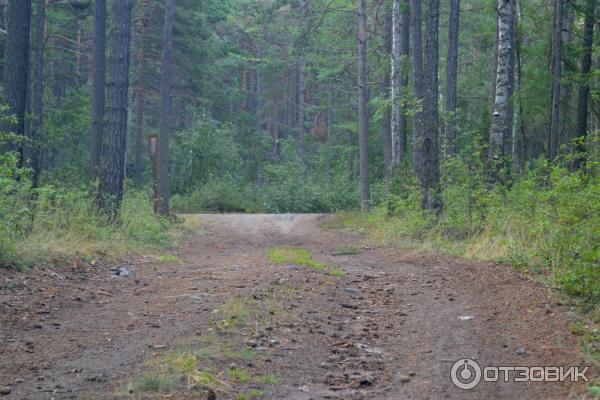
(465, 374)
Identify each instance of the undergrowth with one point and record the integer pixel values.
(545, 223)
(49, 222)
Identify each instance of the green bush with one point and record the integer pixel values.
(548, 220)
(215, 196)
(15, 203)
(50, 221)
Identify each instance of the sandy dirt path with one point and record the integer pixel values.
(390, 328)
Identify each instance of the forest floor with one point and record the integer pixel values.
(365, 322)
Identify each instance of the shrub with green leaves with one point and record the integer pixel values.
(547, 220)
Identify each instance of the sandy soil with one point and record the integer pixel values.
(391, 328)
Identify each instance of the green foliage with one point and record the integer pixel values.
(204, 154)
(215, 196)
(53, 221)
(290, 186)
(67, 124)
(15, 201)
(208, 159)
(548, 221)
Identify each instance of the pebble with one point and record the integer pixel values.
(4, 390)
(521, 351)
(404, 378)
(123, 272)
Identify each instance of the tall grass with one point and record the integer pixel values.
(547, 221)
(57, 222)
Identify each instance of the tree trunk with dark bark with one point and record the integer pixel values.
(451, 78)
(519, 144)
(427, 145)
(16, 68)
(556, 77)
(300, 106)
(329, 138)
(363, 123)
(385, 91)
(112, 170)
(98, 85)
(584, 88)
(37, 96)
(141, 96)
(400, 54)
(418, 85)
(166, 112)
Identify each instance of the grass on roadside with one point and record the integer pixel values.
(64, 225)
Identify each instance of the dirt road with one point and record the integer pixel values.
(373, 323)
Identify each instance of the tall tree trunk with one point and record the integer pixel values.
(16, 67)
(451, 77)
(37, 97)
(584, 88)
(518, 143)
(404, 74)
(400, 52)
(567, 114)
(112, 171)
(166, 111)
(556, 77)
(141, 97)
(428, 144)
(511, 82)
(329, 138)
(501, 113)
(98, 86)
(363, 123)
(385, 91)
(396, 78)
(78, 49)
(300, 106)
(418, 87)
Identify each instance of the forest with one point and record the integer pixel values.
(468, 128)
(484, 114)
